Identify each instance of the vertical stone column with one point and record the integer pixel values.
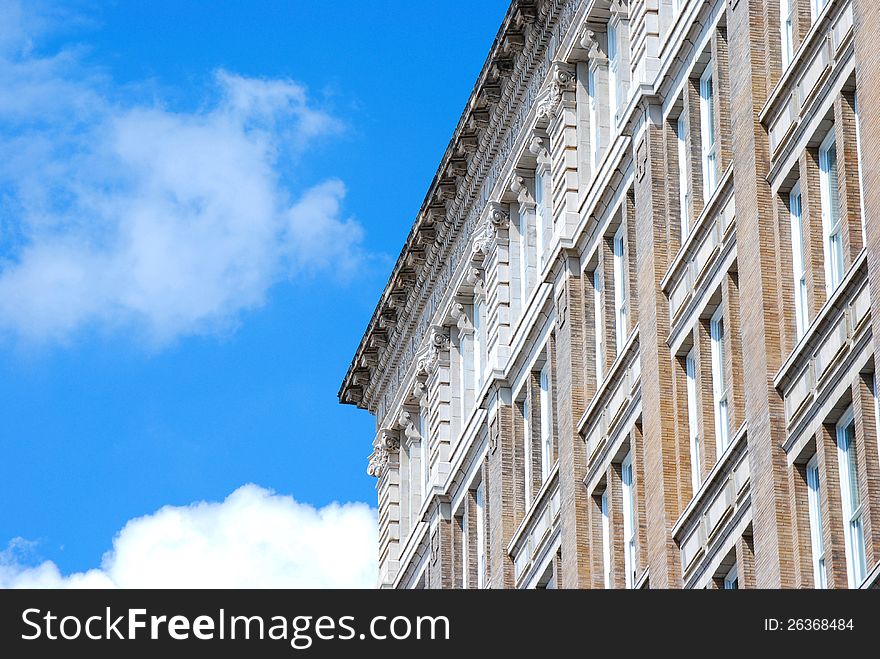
(561, 114)
(658, 411)
(721, 60)
(745, 561)
(570, 406)
(866, 23)
(501, 495)
(495, 245)
(385, 466)
(848, 176)
(814, 240)
(441, 565)
(733, 366)
(645, 43)
(764, 411)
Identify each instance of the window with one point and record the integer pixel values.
(523, 258)
(859, 158)
(831, 221)
(693, 428)
(426, 453)
(527, 452)
(817, 542)
(731, 579)
(480, 536)
(464, 551)
(614, 78)
(707, 132)
(719, 386)
(786, 29)
(540, 214)
(676, 5)
(595, 148)
(876, 404)
(546, 432)
(851, 500)
(606, 540)
(797, 259)
(479, 345)
(629, 521)
(816, 7)
(466, 371)
(620, 289)
(597, 312)
(683, 194)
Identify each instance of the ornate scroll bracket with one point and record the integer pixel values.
(562, 80)
(386, 443)
(429, 358)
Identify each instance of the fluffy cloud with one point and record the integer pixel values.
(124, 215)
(253, 539)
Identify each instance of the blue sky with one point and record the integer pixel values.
(199, 205)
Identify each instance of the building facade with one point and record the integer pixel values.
(629, 340)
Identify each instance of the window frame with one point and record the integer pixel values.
(708, 150)
(814, 508)
(540, 215)
(523, 258)
(731, 579)
(621, 312)
(479, 344)
(720, 397)
(480, 539)
(799, 266)
(425, 452)
(604, 503)
(786, 31)
(593, 94)
(546, 403)
(627, 479)
(850, 499)
(693, 420)
(683, 178)
(527, 451)
(832, 220)
(599, 326)
(614, 76)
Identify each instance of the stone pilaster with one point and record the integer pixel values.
(570, 405)
(764, 413)
(658, 411)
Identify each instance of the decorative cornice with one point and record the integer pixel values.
(519, 65)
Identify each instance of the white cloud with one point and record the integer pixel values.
(124, 215)
(253, 539)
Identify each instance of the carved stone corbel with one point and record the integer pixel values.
(590, 43)
(408, 427)
(562, 80)
(521, 189)
(386, 443)
(499, 216)
(428, 358)
(462, 321)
